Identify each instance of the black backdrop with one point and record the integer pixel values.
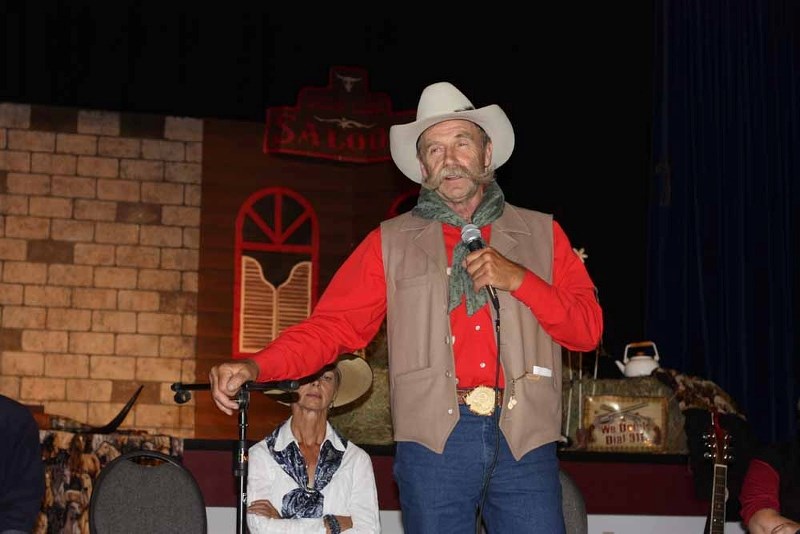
(575, 78)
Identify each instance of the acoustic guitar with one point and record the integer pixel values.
(718, 443)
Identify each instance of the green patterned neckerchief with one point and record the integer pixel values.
(431, 206)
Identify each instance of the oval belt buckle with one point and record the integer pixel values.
(480, 400)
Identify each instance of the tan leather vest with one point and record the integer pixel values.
(422, 377)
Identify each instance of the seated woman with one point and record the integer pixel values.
(770, 495)
(307, 478)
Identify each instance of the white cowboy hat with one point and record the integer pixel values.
(441, 102)
(355, 379)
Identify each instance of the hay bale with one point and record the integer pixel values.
(368, 420)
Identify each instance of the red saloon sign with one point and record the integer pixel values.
(343, 121)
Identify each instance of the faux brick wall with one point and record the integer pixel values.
(99, 245)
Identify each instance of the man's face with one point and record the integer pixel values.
(455, 156)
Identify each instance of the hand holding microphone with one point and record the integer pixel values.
(471, 236)
(497, 270)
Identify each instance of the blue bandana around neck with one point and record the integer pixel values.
(304, 501)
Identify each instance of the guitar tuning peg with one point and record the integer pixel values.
(707, 455)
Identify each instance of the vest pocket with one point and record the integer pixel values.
(416, 406)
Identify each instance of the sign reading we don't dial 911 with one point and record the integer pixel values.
(625, 424)
(343, 121)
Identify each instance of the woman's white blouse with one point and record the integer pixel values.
(351, 491)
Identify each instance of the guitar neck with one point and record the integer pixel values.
(718, 498)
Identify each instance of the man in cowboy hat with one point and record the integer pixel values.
(476, 427)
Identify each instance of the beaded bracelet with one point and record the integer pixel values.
(333, 523)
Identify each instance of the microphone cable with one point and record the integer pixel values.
(496, 416)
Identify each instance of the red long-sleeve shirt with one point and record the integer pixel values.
(353, 306)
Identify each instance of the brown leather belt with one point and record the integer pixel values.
(481, 400)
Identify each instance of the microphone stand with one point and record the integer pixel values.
(240, 456)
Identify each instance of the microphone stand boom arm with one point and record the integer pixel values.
(240, 457)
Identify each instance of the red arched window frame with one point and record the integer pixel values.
(278, 227)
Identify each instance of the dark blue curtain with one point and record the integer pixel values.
(722, 289)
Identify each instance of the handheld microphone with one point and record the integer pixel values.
(471, 236)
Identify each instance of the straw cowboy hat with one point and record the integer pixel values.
(355, 379)
(441, 102)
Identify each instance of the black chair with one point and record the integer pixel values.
(146, 491)
(576, 520)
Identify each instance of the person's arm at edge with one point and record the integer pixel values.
(346, 318)
(568, 308)
(25, 492)
(760, 504)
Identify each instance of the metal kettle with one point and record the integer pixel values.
(640, 364)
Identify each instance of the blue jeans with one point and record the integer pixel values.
(440, 493)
